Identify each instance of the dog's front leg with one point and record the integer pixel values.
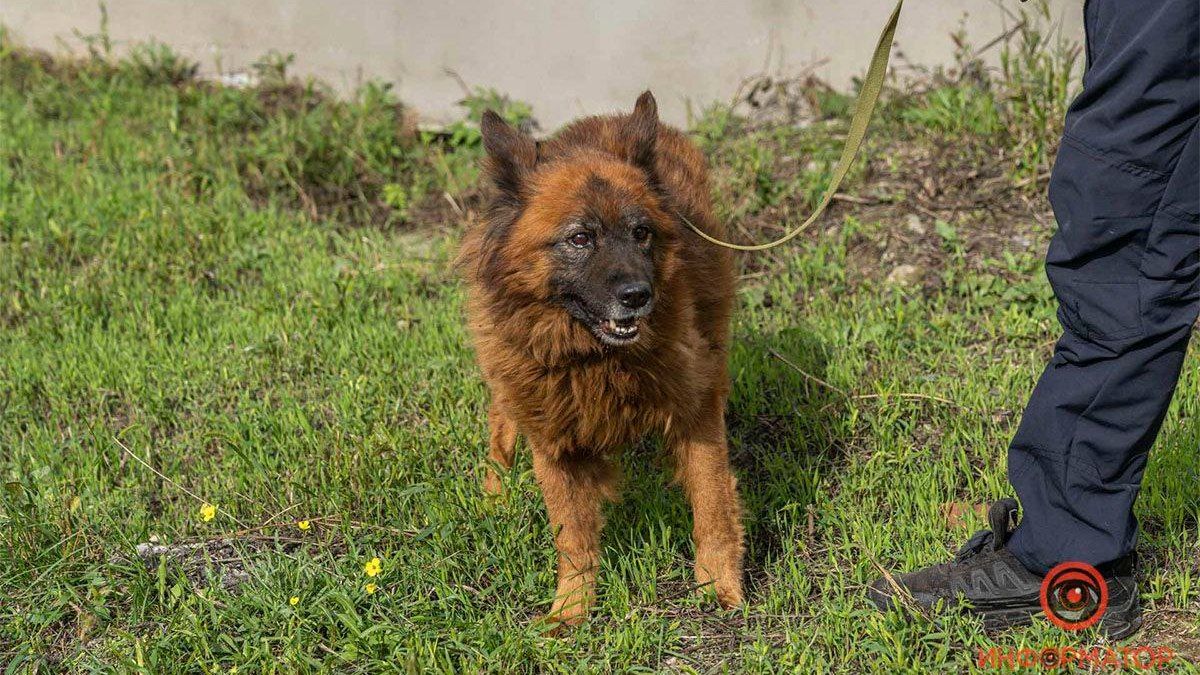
(703, 468)
(502, 443)
(575, 488)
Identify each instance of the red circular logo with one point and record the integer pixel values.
(1074, 595)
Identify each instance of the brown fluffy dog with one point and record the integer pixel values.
(598, 318)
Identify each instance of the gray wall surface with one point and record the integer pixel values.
(566, 57)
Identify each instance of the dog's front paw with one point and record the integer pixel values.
(568, 611)
(727, 586)
(562, 619)
(728, 595)
(558, 625)
(492, 484)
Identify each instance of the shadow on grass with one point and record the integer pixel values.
(784, 441)
(784, 437)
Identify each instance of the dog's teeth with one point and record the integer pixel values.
(612, 324)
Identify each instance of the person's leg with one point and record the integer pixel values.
(1124, 266)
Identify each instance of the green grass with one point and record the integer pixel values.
(222, 287)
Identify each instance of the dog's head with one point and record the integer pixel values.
(578, 229)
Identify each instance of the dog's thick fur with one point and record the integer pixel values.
(576, 399)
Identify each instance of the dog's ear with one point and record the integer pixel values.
(511, 155)
(642, 132)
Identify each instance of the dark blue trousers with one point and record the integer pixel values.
(1125, 267)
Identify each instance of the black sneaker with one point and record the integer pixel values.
(998, 588)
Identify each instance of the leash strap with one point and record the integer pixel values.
(863, 107)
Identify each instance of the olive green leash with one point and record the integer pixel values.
(872, 86)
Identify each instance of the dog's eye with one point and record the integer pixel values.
(641, 233)
(580, 239)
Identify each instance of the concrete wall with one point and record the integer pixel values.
(566, 57)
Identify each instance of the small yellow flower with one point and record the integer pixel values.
(293, 601)
(208, 512)
(371, 588)
(232, 670)
(373, 567)
(303, 525)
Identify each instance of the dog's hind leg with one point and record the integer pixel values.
(702, 457)
(502, 443)
(575, 489)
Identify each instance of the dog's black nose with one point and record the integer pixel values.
(634, 295)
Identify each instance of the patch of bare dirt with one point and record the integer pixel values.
(933, 192)
(442, 209)
(227, 561)
(710, 639)
(932, 197)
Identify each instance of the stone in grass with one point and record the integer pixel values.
(224, 560)
(906, 275)
(912, 223)
(202, 562)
